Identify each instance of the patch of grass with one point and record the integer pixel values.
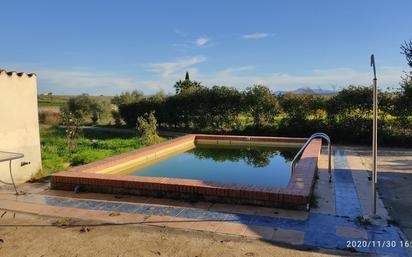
(91, 146)
(63, 222)
(363, 221)
(51, 100)
(45, 103)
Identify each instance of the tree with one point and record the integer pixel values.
(261, 105)
(127, 97)
(299, 106)
(404, 105)
(186, 85)
(406, 50)
(99, 110)
(79, 106)
(220, 107)
(87, 109)
(353, 100)
(407, 81)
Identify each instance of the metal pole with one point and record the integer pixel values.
(12, 179)
(330, 161)
(374, 136)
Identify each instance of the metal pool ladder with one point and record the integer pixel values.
(316, 135)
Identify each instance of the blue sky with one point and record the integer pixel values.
(105, 47)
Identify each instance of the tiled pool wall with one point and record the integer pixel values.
(99, 176)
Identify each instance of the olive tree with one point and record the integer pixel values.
(299, 106)
(127, 97)
(87, 109)
(261, 104)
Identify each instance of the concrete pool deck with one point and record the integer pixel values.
(329, 226)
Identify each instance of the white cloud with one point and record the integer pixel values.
(319, 78)
(180, 32)
(258, 35)
(340, 76)
(201, 41)
(231, 70)
(165, 75)
(82, 79)
(169, 69)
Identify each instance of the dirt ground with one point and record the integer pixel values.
(28, 235)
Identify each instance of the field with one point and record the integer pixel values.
(91, 146)
(49, 108)
(58, 100)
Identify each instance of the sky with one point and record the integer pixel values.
(106, 47)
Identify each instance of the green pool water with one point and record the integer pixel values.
(260, 166)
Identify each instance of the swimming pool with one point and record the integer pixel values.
(260, 166)
(231, 169)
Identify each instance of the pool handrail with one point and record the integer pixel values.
(315, 135)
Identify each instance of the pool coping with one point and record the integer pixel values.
(295, 195)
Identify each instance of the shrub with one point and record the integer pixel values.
(261, 105)
(346, 116)
(350, 100)
(130, 112)
(182, 86)
(87, 109)
(117, 118)
(49, 118)
(73, 129)
(147, 129)
(299, 107)
(127, 98)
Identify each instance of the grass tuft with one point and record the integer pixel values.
(363, 221)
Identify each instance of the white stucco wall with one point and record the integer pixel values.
(19, 125)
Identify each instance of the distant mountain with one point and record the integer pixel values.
(307, 91)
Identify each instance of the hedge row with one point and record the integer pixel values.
(345, 116)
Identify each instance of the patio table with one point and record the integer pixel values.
(9, 156)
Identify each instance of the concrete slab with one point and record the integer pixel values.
(243, 209)
(281, 213)
(394, 180)
(324, 190)
(259, 232)
(351, 232)
(288, 236)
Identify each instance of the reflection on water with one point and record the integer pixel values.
(261, 166)
(253, 156)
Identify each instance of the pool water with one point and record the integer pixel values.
(259, 166)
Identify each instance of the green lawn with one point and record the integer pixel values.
(48, 100)
(60, 100)
(91, 146)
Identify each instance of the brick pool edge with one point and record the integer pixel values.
(295, 195)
